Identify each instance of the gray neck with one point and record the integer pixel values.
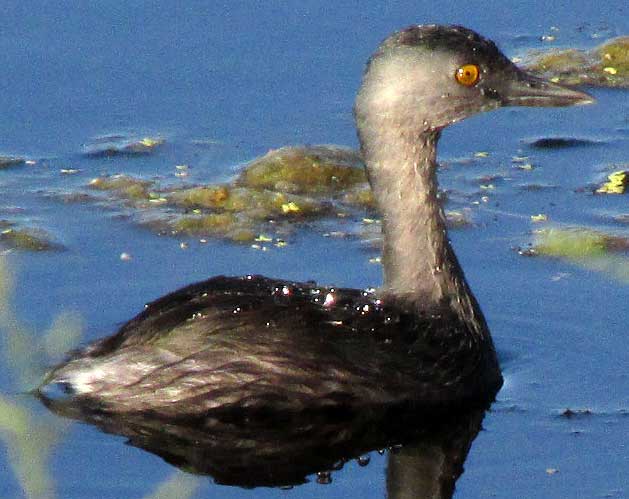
(415, 239)
(419, 264)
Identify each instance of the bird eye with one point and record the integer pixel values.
(467, 75)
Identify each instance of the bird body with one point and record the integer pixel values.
(258, 343)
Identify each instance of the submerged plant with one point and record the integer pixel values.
(588, 248)
(29, 441)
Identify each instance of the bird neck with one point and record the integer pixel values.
(419, 264)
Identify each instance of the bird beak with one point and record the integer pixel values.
(524, 89)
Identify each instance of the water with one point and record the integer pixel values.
(243, 78)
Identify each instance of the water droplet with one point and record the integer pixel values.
(324, 478)
(329, 300)
(363, 460)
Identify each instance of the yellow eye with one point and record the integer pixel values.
(467, 75)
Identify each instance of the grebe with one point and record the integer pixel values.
(254, 343)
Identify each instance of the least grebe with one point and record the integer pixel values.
(254, 343)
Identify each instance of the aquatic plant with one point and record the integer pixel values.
(28, 239)
(606, 65)
(585, 247)
(616, 183)
(316, 169)
(178, 486)
(124, 186)
(29, 441)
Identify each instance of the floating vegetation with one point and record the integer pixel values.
(360, 196)
(616, 183)
(606, 65)
(261, 204)
(224, 225)
(28, 240)
(287, 185)
(316, 169)
(572, 243)
(120, 145)
(124, 186)
(591, 249)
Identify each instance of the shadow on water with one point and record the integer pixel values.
(426, 456)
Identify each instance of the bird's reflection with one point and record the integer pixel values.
(426, 453)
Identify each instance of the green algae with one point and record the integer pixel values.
(261, 204)
(587, 248)
(217, 225)
(614, 57)
(567, 66)
(360, 196)
(606, 65)
(271, 194)
(26, 239)
(574, 243)
(124, 186)
(210, 196)
(616, 183)
(317, 169)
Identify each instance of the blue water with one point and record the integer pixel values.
(243, 77)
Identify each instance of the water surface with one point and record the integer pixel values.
(224, 83)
